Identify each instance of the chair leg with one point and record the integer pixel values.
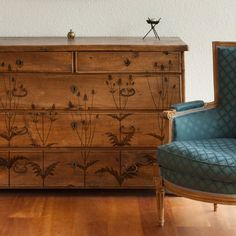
(215, 207)
(160, 193)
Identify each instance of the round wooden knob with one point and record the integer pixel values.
(19, 62)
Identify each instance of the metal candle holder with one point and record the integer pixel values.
(153, 23)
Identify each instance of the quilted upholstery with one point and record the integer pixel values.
(219, 122)
(202, 155)
(208, 159)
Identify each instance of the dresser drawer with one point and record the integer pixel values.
(86, 168)
(36, 62)
(50, 128)
(103, 168)
(128, 62)
(102, 91)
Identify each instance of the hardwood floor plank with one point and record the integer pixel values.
(108, 213)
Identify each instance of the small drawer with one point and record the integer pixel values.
(128, 62)
(36, 62)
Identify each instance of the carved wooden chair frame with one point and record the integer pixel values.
(162, 185)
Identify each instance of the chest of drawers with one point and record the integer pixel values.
(85, 113)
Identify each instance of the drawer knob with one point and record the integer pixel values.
(19, 62)
(127, 62)
(9, 67)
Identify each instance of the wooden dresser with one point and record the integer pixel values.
(85, 113)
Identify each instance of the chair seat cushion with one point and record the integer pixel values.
(207, 159)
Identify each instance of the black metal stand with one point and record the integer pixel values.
(153, 24)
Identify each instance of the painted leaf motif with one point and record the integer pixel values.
(80, 166)
(130, 171)
(50, 169)
(36, 169)
(119, 117)
(161, 138)
(87, 165)
(13, 160)
(113, 139)
(146, 161)
(111, 171)
(127, 139)
(5, 135)
(3, 162)
(50, 144)
(9, 163)
(90, 163)
(13, 132)
(34, 145)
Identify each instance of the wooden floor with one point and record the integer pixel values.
(98, 213)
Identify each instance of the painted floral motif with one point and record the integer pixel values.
(13, 93)
(83, 123)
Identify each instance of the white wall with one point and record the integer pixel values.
(197, 22)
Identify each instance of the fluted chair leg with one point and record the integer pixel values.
(160, 193)
(215, 207)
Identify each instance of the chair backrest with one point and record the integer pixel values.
(219, 122)
(224, 58)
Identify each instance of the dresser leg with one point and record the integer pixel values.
(160, 193)
(215, 207)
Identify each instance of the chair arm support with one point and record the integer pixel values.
(171, 114)
(178, 120)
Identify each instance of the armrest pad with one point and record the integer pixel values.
(188, 105)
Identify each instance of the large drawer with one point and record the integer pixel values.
(128, 62)
(100, 91)
(36, 62)
(92, 169)
(82, 129)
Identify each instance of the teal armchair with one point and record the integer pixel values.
(200, 160)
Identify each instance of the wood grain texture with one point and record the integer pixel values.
(82, 169)
(36, 62)
(108, 213)
(91, 44)
(153, 91)
(85, 113)
(104, 130)
(128, 62)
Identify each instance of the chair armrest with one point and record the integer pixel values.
(188, 105)
(196, 111)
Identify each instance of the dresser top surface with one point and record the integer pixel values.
(91, 43)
